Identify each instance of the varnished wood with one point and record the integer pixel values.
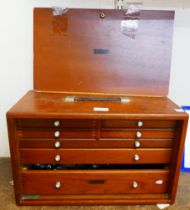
(94, 182)
(133, 124)
(80, 54)
(137, 64)
(152, 134)
(37, 105)
(92, 143)
(86, 156)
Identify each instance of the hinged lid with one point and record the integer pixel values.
(102, 51)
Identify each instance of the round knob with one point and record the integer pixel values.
(138, 134)
(137, 144)
(57, 158)
(140, 123)
(136, 157)
(57, 144)
(56, 123)
(134, 184)
(102, 15)
(57, 134)
(58, 185)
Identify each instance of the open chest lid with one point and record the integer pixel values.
(93, 51)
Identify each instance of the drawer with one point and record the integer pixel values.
(55, 134)
(94, 182)
(138, 134)
(109, 156)
(91, 143)
(55, 123)
(138, 123)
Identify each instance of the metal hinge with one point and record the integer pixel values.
(123, 4)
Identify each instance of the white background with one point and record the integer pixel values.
(16, 50)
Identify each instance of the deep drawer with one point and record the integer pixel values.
(133, 134)
(138, 123)
(94, 182)
(77, 156)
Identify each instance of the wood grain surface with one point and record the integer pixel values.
(81, 52)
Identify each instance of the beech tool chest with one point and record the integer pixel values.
(98, 127)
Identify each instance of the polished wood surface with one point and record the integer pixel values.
(95, 156)
(53, 105)
(81, 52)
(126, 152)
(92, 143)
(94, 182)
(32, 125)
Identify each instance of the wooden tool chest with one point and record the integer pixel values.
(73, 142)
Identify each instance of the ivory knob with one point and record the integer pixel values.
(56, 123)
(58, 185)
(140, 123)
(136, 157)
(137, 144)
(57, 134)
(57, 144)
(138, 134)
(57, 158)
(134, 184)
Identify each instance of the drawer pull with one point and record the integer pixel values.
(57, 158)
(138, 134)
(56, 123)
(96, 181)
(58, 185)
(137, 144)
(136, 157)
(140, 123)
(134, 184)
(57, 134)
(159, 181)
(57, 144)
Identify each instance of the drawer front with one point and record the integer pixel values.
(138, 123)
(101, 156)
(90, 143)
(96, 182)
(55, 123)
(138, 134)
(56, 134)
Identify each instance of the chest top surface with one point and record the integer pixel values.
(51, 105)
(82, 51)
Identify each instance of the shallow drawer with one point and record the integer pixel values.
(91, 143)
(60, 123)
(55, 134)
(94, 182)
(77, 156)
(138, 134)
(138, 123)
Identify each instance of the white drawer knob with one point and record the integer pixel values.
(136, 157)
(138, 134)
(137, 144)
(57, 134)
(56, 123)
(140, 123)
(160, 181)
(57, 158)
(134, 184)
(57, 144)
(58, 185)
